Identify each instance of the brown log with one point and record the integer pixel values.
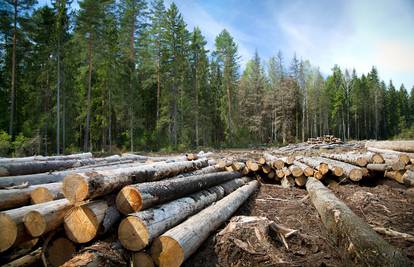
(357, 241)
(140, 228)
(401, 146)
(295, 170)
(80, 186)
(84, 223)
(262, 161)
(142, 259)
(391, 154)
(375, 158)
(144, 195)
(318, 175)
(177, 244)
(266, 169)
(288, 160)
(224, 163)
(31, 259)
(46, 193)
(253, 166)
(351, 158)
(108, 254)
(395, 175)
(408, 178)
(271, 175)
(46, 217)
(57, 249)
(301, 180)
(237, 166)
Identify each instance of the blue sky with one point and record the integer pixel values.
(351, 33)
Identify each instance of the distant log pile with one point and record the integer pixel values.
(326, 139)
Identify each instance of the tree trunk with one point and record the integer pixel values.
(401, 146)
(46, 217)
(276, 162)
(316, 163)
(177, 244)
(140, 228)
(83, 185)
(43, 158)
(88, 103)
(307, 171)
(350, 171)
(355, 238)
(46, 193)
(145, 195)
(13, 72)
(351, 158)
(378, 167)
(386, 153)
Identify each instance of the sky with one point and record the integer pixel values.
(351, 33)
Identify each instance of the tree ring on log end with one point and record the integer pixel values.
(167, 252)
(355, 175)
(75, 188)
(133, 233)
(59, 251)
(129, 200)
(9, 232)
(41, 195)
(34, 223)
(81, 224)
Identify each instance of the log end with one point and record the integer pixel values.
(81, 224)
(338, 171)
(133, 233)
(41, 195)
(323, 168)
(142, 259)
(59, 251)
(377, 159)
(300, 181)
(167, 252)
(308, 171)
(356, 175)
(318, 175)
(128, 200)
(35, 223)
(8, 232)
(278, 164)
(362, 162)
(296, 171)
(75, 188)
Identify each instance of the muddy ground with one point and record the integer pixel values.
(380, 202)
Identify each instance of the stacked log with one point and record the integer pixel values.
(401, 146)
(325, 139)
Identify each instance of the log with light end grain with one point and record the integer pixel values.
(101, 253)
(137, 230)
(224, 163)
(316, 163)
(84, 223)
(276, 162)
(46, 193)
(401, 146)
(144, 195)
(391, 154)
(350, 171)
(46, 217)
(295, 170)
(288, 160)
(177, 244)
(351, 158)
(252, 165)
(374, 158)
(408, 178)
(301, 180)
(266, 168)
(237, 166)
(307, 171)
(142, 259)
(395, 175)
(84, 185)
(360, 244)
(57, 249)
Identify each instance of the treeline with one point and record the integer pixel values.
(131, 75)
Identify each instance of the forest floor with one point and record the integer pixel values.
(380, 202)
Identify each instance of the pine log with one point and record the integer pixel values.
(404, 157)
(318, 175)
(46, 193)
(142, 259)
(307, 171)
(43, 158)
(350, 171)
(137, 230)
(374, 158)
(108, 254)
(279, 173)
(395, 175)
(351, 158)
(237, 166)
(46, 217)
(135, 197)
(316, 163)
(301, 180)
(276, 162)
(177, 244)
(355, 238)
(295, 170)
(84, 185)
(401, 146)
(205, 170)
(57, 249)
(288, 160)
(224, 163)
(378, 167)
(253, 166)
(31, 259)
(395, 164)
(408, 178)
(84, 223)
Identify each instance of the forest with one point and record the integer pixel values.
(130, 75)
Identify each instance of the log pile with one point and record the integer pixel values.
(325, 139)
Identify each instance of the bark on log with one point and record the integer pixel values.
(355, 238)
(395, 175)
(31, 259)
(402, 146)
(145, 195)
(296, 171)
(178, 243)
(307, 171)
(351, 158)
(43, 158)
(301, 180)
(350, 171)
(375, 158)
(137, 230)
(405, 157)
(209, 169)
(80, 186)
(100, 254)
(378, 167)
(317, 164)
(84, 223)
(46, 217)
(57, 249)
(408, 178)
(276, 162)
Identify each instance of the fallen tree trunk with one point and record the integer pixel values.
(378, 167)
(355, 238)
(391, 154)
(402, 146)
(350, 171)
(108, 254)
(133, 198)
(43, 158)
(84, 185)
(46, 217)
(351, 158)
(137, 230)
(14, 198)
(209, 169)
(177, 244)
(307, 171)
(317, 164)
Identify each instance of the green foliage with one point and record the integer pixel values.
(24, 146)
(5, 143)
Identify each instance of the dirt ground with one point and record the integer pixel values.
(378, 204)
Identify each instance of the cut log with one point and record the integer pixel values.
(405, 157)
(177, 244)
(276, 162)
(318, 175)
(262, 161)
(402, 146)
(144, 195)
(209, 169)
(237, 166)
(301, 180)
(140, 228)
(84, 223)
(46, 193)
(100, 254)
(266, 169)
(296, 171)
(350, 171)
(46, 217)
(43, 158)
(80, 186)
(288, 160)
(57, 249)
(253, 166)
(142, 259)
(317, 164)
(351, 158)
(31, 259)
(287, 182)
(378, 167)
(375, 158)
(408, 178)
(355, 238)
(307, 171)
(395, 175)
(224, 163)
